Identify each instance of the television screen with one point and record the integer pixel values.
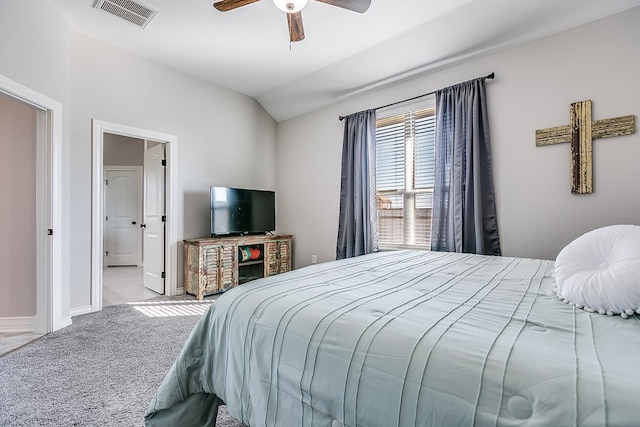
(237, 211)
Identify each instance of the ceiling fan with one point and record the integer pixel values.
(293, 10)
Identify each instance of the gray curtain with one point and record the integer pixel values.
(464, 210)
(358, 220)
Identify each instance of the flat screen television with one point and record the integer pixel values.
(239, 211)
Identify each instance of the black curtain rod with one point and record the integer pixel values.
(490, 76)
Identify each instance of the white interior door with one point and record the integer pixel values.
(153, 225)
(122, 234)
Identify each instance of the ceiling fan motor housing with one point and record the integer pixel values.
(290, 6)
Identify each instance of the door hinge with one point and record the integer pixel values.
(50, 232)
(106, 218)
(162, 275)
(164, 218)
(106, 182)
(164, 162)
(106, 253)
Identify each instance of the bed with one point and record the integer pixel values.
(405, 338)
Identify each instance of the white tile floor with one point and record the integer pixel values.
(11, 341)
(120, 285)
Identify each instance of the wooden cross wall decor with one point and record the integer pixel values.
(581, 133)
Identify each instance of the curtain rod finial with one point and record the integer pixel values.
(491, 76)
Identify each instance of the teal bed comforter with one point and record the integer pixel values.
(405, 338)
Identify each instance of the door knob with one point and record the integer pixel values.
(133, 222)
(143, 225)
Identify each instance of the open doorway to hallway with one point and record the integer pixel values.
(130, 181)
(159, 218)
(18, 224)
(30, 218)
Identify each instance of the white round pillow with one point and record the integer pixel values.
(600, 271)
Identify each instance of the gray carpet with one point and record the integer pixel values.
(101, 371)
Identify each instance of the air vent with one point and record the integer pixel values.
(132, 11)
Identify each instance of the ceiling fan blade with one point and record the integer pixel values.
(359, 6)
(227, 5)
(296, 29)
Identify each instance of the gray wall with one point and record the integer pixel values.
(18, 208)
(534, 86)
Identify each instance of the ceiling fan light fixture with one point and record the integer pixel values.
(290, 6)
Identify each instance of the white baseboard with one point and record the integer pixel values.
(80, 310)
(10, 325)
(180, 291)
(66, 321)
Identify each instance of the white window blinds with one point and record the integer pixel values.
(404, 176)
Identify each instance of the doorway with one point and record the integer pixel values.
(164, 247)
(45, 314)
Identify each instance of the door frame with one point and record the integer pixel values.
(139, 170)
(99, 128)
(49, 256)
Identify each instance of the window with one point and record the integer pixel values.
(404, 175)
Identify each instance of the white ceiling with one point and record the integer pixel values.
(344, 52)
